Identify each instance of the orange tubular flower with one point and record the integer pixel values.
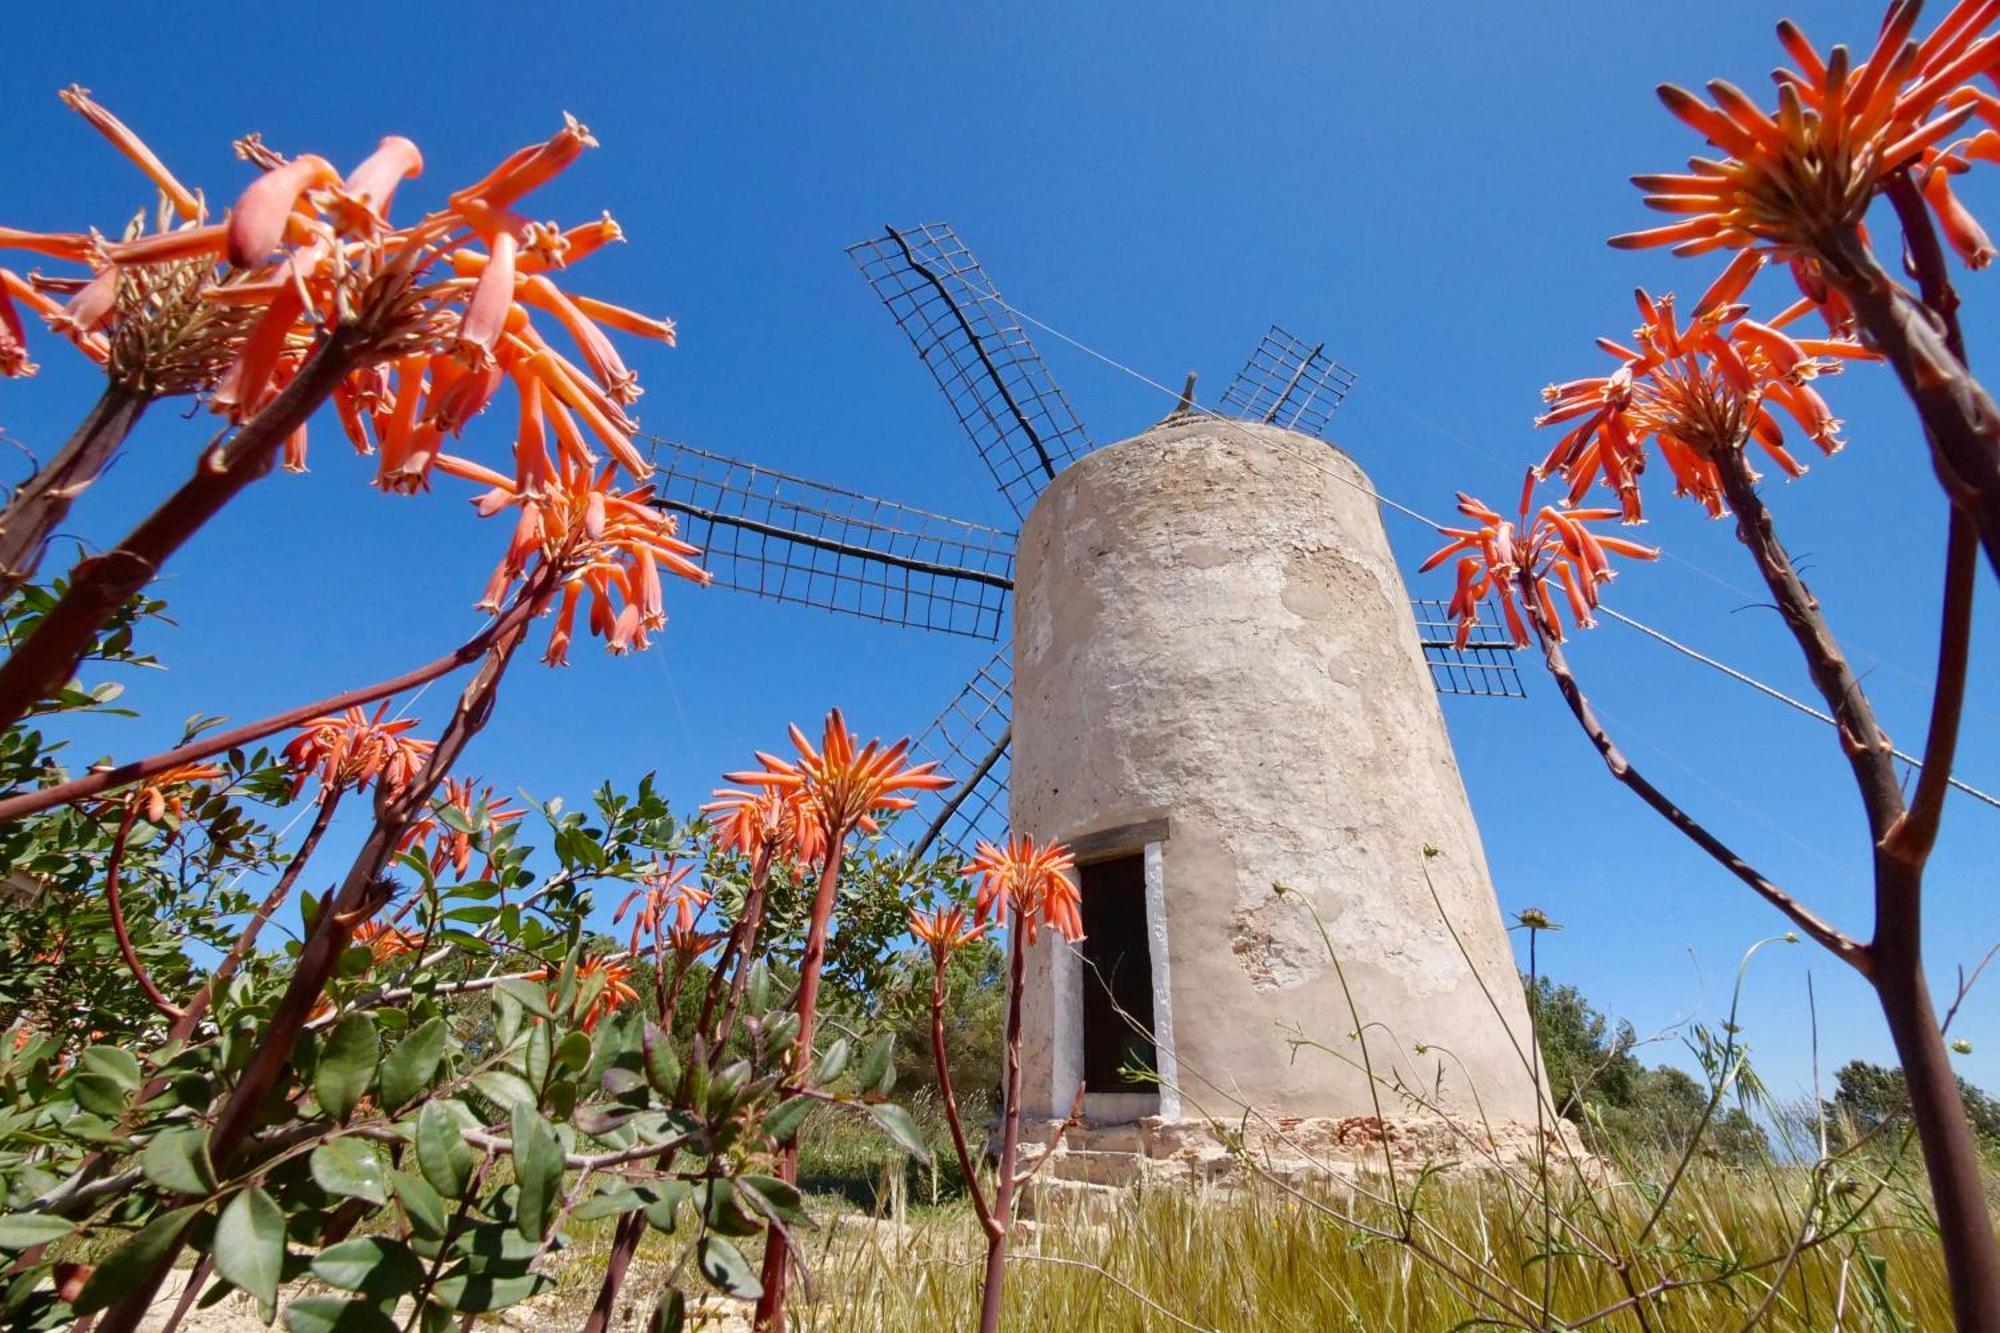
(385, 942)
(1029, 881)
(944, 931)
(609, 543)
(184, 201)
(1693, 391)
(1796, 176)
(617, 990)
(454, 845)
(662, 891)
(769, 820)
(845, 784)
(1516, 562)
(164, 794)
(351, 749)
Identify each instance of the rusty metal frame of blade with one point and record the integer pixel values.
(792, 540)
(989, 371)
(1483, 669)
(1288, 382)
(970, 741)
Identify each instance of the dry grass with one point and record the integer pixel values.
(1261, 1257)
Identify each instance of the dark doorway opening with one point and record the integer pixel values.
(1117, 976)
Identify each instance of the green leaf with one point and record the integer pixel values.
(250, 1245)
(609, 1203)
(670, 1315)
(538, 1170)
(760, 987)
(456, 819)
(99, 1093)
(131, 1262)
(476, 1293)
(177, 1161)
(329, 1314)
(22, 1231)
(832, 1063)
(528, 995)
(573, 1051)
(442, 1154)
(773, 1197)
(898, 1125)
(505, 1090)
(664, 1211)
(422, 1203)
(726, 1269)
(376, 1266)
(535, 1054)
(346, 1065)
(878, 1071)
(410, 1067)
(782, 1124)
(349, 1167)
(663, 1067)
(120, 1066)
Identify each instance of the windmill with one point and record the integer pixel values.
(790, 539)
(1227, 706)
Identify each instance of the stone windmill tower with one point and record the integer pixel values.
(1218, 695)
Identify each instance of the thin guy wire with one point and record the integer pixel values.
(1405, 510)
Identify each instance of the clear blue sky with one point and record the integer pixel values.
(1427, 188)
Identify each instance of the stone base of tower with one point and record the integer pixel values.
(1298, 1151)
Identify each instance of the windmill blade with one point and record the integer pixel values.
(969, 741)
(990, 373)
(793, 540)
(1483, 669)
(1288, 383)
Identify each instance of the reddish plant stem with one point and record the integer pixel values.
(1960, 418)
(43, 501)
(1869, 751)
(624, 1246)
(360, 895)
(966, 1165)
(1842, 946)
(1951, 1157)
(101, 584)
(742, 950)
(188, 1294)
(90, 784)
(247, 939)
(114, 900)
(1005, 1184)
(1916, 833)
(770, 1313)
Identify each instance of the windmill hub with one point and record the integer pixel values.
(1221, 701)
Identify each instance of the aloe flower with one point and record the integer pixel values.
(1716, 383)
(165, 794)
(1841, 127)
(351, 750)
(768, 821)
(1030, 882)
(663, 891)
(1517, 561)
(944, 931)
(845, 784)
(605, 543)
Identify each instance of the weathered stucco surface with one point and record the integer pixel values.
(1210, 627)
